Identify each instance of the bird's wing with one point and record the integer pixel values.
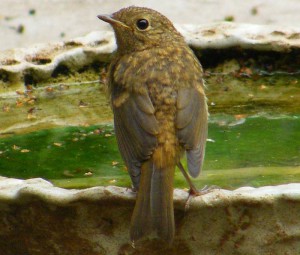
(191, 124)
(135, 127)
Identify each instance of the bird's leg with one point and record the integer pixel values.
(193, 190)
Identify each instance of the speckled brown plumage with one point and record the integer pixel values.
(160, 111)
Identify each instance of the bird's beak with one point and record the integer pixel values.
(109, 19)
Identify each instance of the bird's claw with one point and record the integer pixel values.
(193, 192)
(206, 189)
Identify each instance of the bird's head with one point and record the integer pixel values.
(139, 28)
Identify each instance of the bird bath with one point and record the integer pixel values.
(58, 148)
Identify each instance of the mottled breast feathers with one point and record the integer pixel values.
(134, 107)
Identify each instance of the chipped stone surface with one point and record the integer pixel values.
(41, 61)
(36, 217)
(247, 36)
(26, 22)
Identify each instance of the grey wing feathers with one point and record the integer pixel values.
(135, 127)
(191, 123)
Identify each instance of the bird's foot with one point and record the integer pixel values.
(206, 189)
(132, 189)
(193, 192)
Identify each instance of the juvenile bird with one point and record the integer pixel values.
(160, 112)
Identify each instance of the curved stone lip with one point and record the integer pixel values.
(99, 45)
(20, 191)
(246, 36)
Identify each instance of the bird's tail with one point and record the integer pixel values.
(154, 205)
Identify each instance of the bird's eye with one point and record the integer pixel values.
(142, 24)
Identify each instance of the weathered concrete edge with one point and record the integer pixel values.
(247, 220)
(18, 191)
(42, 59)
(246, 36)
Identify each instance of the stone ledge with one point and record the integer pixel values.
(41, 60)
(15, 190)
(37, 217)
(246, 36)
